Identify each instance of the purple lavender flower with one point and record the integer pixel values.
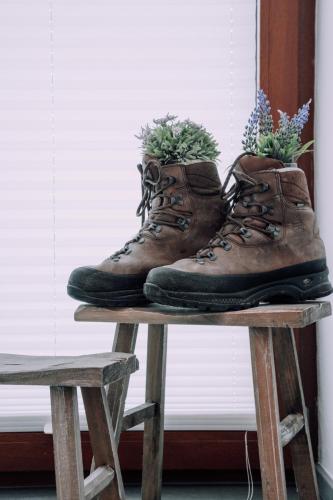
(284, 132)
(299, 120)
(284, 142)
(260, 123)
(166, 119)
(146, 131)
(264, 111)
(284, 121)
(251, 131)
(144, 134)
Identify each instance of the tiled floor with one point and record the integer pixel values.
(169, 493)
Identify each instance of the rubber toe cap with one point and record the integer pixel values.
(172, 279)
(91, 279)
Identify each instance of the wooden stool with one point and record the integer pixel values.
(274, 361)
(64, 374)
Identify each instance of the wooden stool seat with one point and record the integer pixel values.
(280, 422)
(96, 370)
(286, 315)
(64, 374)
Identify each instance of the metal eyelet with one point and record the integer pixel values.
(211, 256)
(273, 231)
(225, 245)
(182, 223)
(176, 200)
(270, 228)
(245, 232)
(264, 187)
(264, 210)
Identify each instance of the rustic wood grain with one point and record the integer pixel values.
(292, 315)
(67, 443)
(290, 426)
(93, 370)
(287, 40)
(267, 412)
(102, 439)
(138, 414)
(289, 378)
(97, 481)
(124, 341)
(154, 427)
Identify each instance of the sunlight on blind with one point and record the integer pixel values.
(77, 80)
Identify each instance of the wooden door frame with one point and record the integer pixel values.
(286, 56)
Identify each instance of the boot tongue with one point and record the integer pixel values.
(151, 167)
(246, 170)
(250, 164)
(154, 172)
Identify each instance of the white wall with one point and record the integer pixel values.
(324, 184)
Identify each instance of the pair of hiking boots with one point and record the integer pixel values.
(210, 248)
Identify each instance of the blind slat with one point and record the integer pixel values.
(78, 79)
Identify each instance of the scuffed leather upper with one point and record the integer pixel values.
(197, 192)
(296, 240)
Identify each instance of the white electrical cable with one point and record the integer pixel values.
(248, 471)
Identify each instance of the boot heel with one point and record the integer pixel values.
(316, 285)
(305, 287)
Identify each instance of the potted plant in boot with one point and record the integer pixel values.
(284, 143)
(269, 247)
(181, 193)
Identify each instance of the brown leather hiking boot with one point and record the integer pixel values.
(268, 249)
(185, 209)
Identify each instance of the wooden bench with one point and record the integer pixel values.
(274, 362)
(64, 374)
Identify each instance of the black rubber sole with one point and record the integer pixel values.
(119, 298)
(290, 290)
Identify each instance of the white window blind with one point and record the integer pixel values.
(77, 79)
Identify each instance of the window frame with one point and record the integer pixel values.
(287, 40)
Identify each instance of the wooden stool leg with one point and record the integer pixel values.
(267, 411)
(154, 427)
(124, 341)
(289, 377)
(102, 439)
(67, 443)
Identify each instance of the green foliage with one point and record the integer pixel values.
(173, 141)
(273, 145)
(284, 143)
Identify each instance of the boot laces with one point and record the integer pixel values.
(151, 190)
(241, 224)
